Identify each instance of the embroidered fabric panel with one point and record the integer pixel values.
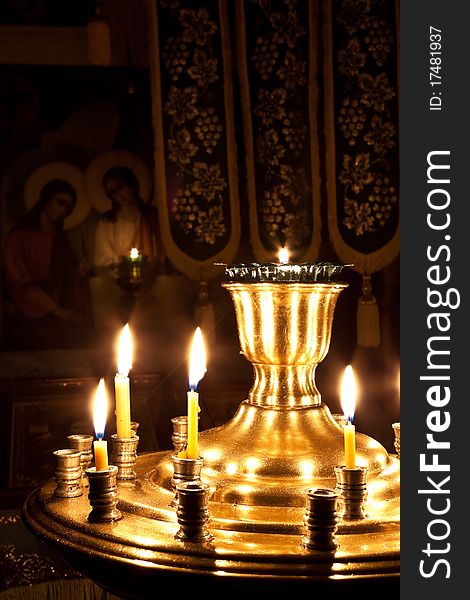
(277, 62)
(362, 124)
(195, 147)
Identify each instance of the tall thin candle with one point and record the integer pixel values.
(197, 370)
(100, 410)
(348, 404)
(122, 385)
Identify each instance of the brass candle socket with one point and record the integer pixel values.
(351, 486)
(321, 520)
(68, 473)
(192, 512)
(124, 456)
(180, 432)
(103, 495)
(185, 470)
(83, 443)
(396, 443)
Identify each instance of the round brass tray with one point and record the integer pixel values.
(281, 441)
(253, 546)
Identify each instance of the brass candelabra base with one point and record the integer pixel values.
(257, 467)
(250, 547)
(256, 519)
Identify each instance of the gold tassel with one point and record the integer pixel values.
(204, 314)
(368, 319)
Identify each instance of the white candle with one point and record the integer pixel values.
(100, 411)
(283, 255)
(348, 404)
(122, 385)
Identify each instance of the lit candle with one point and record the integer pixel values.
(348, 404)
(136, 264)
(283, 255)
(122, 386)
(100, 410)
(197, 370)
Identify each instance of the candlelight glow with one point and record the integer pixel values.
(100, 409)
(348, 393)
(197, 360)
(252, 465)
(134, 253)
(231, 468)
(307, 468)
(125, 351)
(283, 255)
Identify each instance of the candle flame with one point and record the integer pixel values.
(283, 255)
(134, 253)
(125, 351)
(348, 393)
(100, 409)
(197, 360)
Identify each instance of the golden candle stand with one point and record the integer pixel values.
(281, 442)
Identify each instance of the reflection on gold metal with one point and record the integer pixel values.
(396, 443)
(281, 442)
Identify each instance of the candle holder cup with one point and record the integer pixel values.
(192, 512)
(351, 486)
(103, 495)
(321, 520)
(180, 432)
(83, 443)
(396, 443)
(68, 473)
(185, 470)
(124, 456)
